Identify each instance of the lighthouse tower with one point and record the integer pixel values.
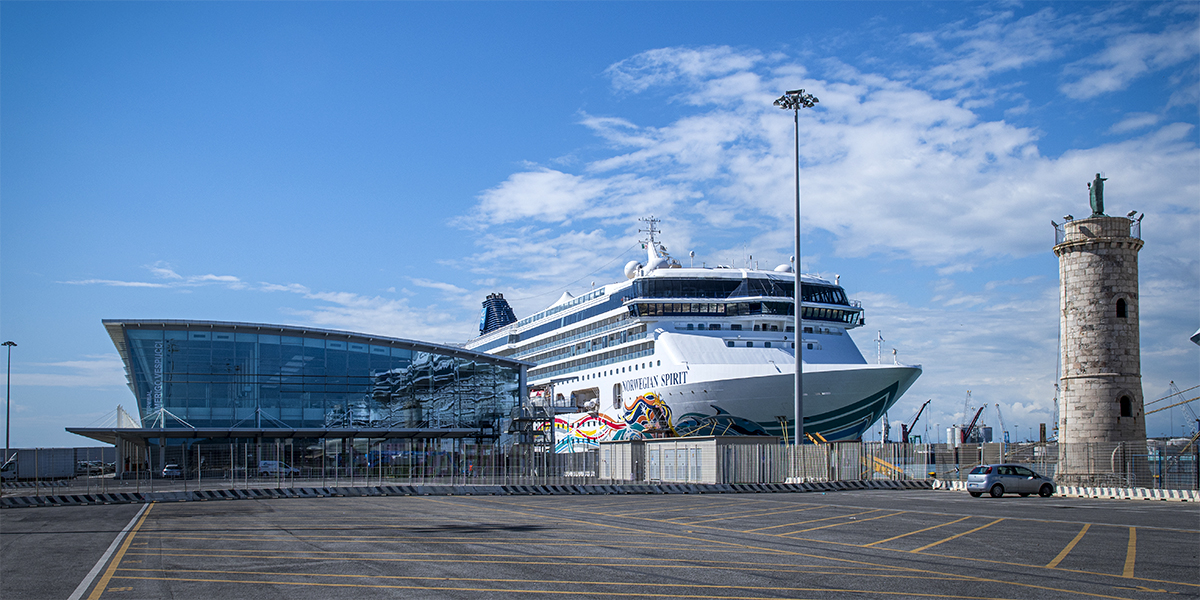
(1102, 430)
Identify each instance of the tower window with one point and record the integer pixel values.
(1121, 311)
(1126, 406)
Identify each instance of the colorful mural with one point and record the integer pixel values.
(721, 423)
(647, 416)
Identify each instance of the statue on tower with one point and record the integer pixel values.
(1096, 187)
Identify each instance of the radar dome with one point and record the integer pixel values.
(631, 269)
(783, 269)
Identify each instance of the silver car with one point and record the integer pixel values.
(1013, 479)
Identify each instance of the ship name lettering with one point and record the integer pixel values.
(653, 381)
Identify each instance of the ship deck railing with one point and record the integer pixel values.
(599, 363)
(574, 338)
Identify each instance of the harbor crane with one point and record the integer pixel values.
(1003, 429)
(966, 434)
(907, 428)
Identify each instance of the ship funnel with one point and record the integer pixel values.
(496, 313)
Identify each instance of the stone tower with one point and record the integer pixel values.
(1102, 431)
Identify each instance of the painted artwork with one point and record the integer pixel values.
(647, 416)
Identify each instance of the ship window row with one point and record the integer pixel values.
(655, 287)
(614, 339)
(595, 360)
(853, 317)
(604, 326)
(561, 307)
(689, 309)
(620, 370)
(761, 344)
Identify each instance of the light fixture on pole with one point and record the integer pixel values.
(794, 100)
(8, 396)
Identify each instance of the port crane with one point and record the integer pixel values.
(966, 434)
(907, 428)
(1003, 429)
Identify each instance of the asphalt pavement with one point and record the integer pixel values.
(862, 544)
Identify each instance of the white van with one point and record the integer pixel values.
(275, 467)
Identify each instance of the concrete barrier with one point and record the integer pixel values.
(503, 490)
(1106, 493)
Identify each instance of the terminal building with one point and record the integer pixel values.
(210, 382)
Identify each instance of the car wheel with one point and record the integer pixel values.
(1024, 495)
(1046, 491)
(262, 474)
(997, 491)
(975, 494)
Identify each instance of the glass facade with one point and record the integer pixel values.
(248, 376)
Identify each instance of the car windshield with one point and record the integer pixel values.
(980, 470)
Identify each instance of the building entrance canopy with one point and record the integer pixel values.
(142, 436)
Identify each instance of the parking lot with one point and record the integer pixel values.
(867, 544)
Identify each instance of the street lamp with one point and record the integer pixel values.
(8, 396)
(794, 100)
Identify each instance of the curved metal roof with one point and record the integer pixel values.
(116, 330)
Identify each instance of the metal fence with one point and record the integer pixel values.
(1161, 464)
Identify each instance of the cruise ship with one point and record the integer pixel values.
(683, 351)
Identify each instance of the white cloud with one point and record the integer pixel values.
(162, 270)
(1135, 121)
(996, 44)
(384, 316)
(105, 370)
(669, 65)
(1130, 56)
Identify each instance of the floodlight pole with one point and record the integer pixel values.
(794, 100)
(8, 396)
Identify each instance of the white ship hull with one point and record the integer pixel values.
(752, 396)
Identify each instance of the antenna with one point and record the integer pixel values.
(879, 347)
(651, 228)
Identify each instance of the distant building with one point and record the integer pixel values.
(208, 381)
(1102, 428)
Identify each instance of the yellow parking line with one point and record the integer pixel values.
(1130, 553)
(954, 537)
(812, 521)
(912, 532)
(1069, 548)
(112, 567)
(843, 523)
(731, 516)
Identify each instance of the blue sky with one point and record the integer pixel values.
(382, 167)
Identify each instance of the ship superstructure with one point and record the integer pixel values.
(679, 350)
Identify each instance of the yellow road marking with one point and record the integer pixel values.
(756, 514)
(913, 532)
(548, 560)
(809, 521)
(954, 537)
(661, 534)
(1069, 548)
(945, 577)
(1130, 553)
(116, 560)
(840, 524)
(642, 594)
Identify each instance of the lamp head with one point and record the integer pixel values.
(795, 100)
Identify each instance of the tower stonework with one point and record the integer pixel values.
(1102, 427)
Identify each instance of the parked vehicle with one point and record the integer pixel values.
(172, 471)
(1007, 478)
(275, 467)
(39, 463)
